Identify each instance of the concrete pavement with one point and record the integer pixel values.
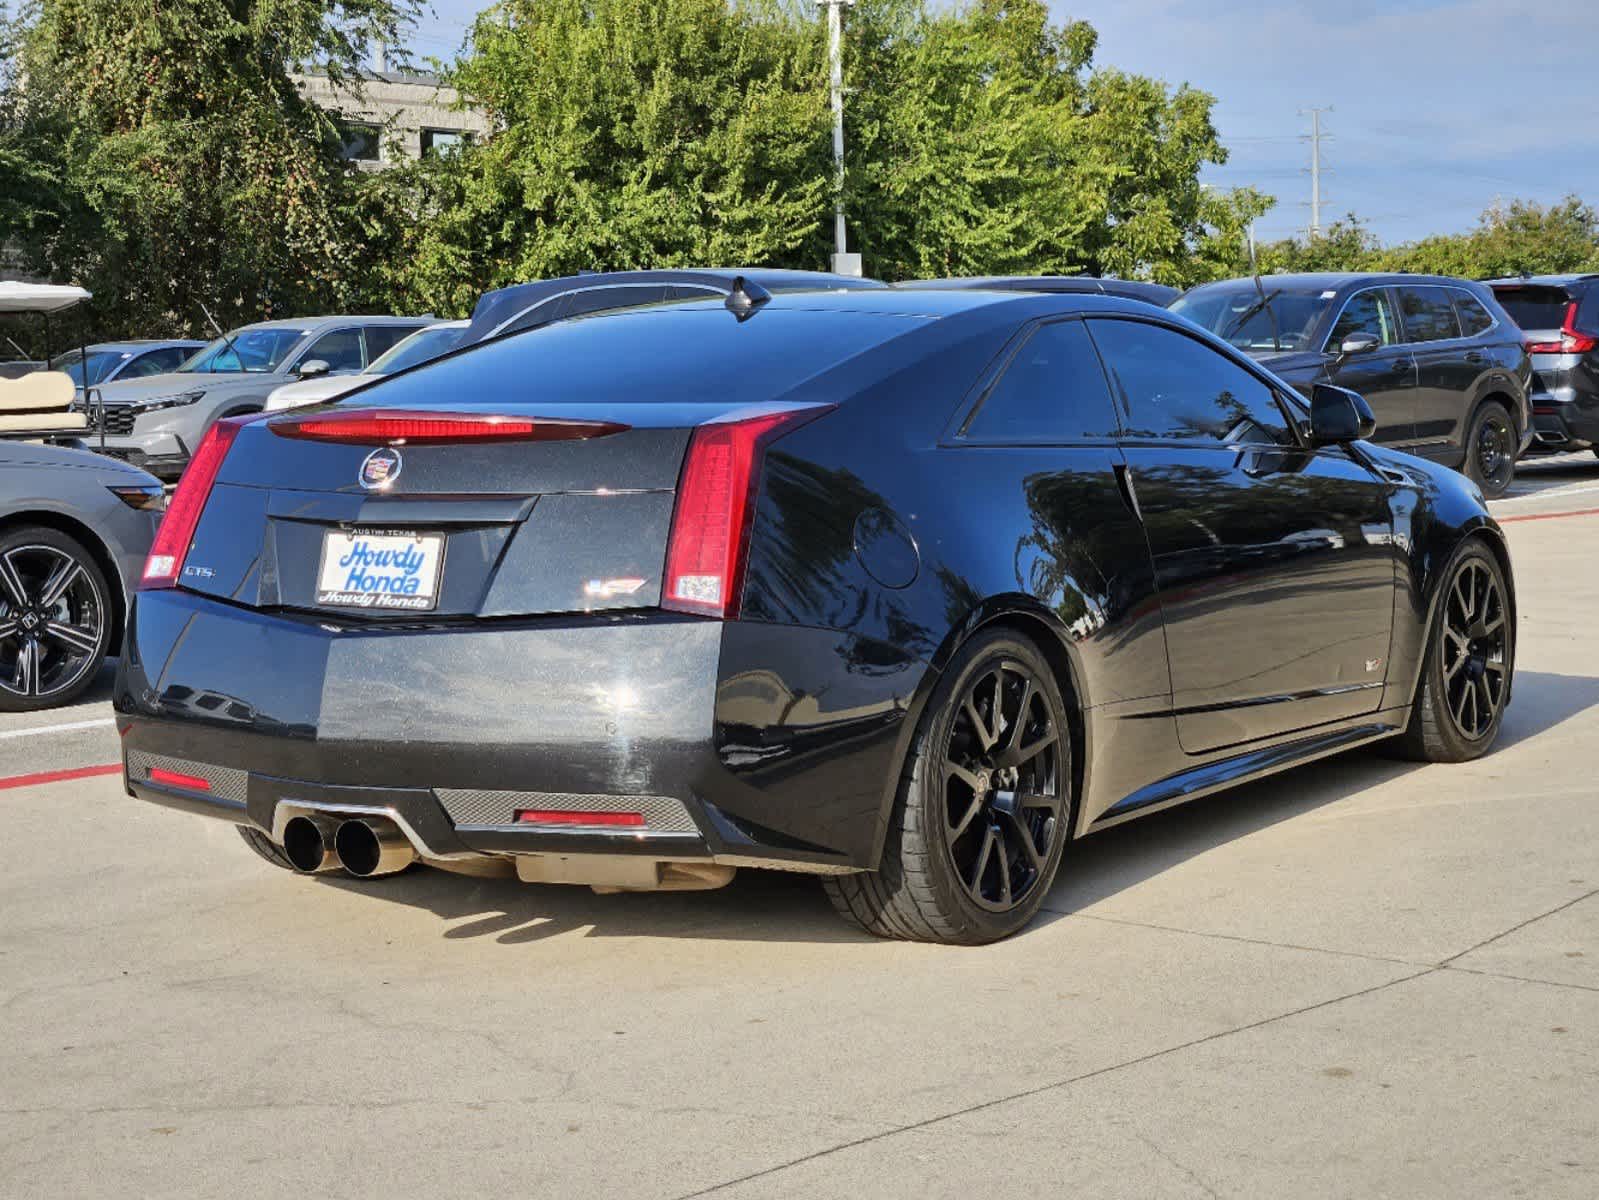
(1360, 978)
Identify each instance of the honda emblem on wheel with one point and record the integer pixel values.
(381, 468)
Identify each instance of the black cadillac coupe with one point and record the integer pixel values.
(908, 589)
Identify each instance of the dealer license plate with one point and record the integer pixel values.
(384, 569)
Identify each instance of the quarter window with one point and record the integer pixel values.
(1052, 390)
(1474, 318)
(1429, 317)
(380, 339)
(1170, 385)
(1369, 312)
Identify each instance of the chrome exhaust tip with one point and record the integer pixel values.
(369, 846)
(308, 844)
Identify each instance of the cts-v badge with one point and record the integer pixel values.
(381, 468)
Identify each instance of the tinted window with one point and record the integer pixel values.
(1172, 386)
(1369, 312)
(1588, 310)
(380, 339)
(157, 362)
(600, 299)
(1474, 318)
(1053, 390)
(1534, 308)
(421, 346)
(1429, 317)
(341, 350)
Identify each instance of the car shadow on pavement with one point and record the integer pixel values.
(1109, 862)
(775, 906)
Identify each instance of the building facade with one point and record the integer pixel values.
(394, 116)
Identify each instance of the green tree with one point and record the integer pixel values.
(177, 164)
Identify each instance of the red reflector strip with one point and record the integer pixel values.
(179, 780)
(375, 426)
(568, 816)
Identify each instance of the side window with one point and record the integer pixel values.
(1174, 386)
(341, 350)
(1369, 312)
(1473, 317)
(154, 363)
(1429, 317)
(602, 298)
(380, 339)
(1052, 390)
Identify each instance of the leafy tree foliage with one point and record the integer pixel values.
(173, 163)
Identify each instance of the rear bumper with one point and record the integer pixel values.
(1564, 419)
(452, 729)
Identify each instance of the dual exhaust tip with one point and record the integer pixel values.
(363, 846)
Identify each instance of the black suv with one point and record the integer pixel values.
(1560, 316)
(1442, 365)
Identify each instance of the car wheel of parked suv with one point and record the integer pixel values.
(1491, 449)
(984, 806)
(55, 619)
(1470, 657)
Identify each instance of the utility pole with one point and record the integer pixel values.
(844, 263)
(1315, 139)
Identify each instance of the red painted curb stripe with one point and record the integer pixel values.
(1580, 512)
(22, 781)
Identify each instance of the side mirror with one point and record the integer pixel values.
(317, 366)
(1358, 343)
(1339, 416)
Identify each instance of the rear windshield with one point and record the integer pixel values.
(663, 355)
(418, 348)
(1539, 308)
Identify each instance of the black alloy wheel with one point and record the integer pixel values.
(55, 619)
(984, 808)
(1002, 787)
(1475, 650)
(1470, 662)
(1491, 450)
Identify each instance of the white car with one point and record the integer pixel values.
(426, 343)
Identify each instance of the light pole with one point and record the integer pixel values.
(844, 263)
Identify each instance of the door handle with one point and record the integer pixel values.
(1474, 356)
(1124, 484)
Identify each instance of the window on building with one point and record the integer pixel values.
(444, 142)
(361, 142)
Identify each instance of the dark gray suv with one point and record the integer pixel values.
(1441, 364)
(1560, 316)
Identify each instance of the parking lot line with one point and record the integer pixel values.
(38, 777)
(1578, 512)
(64, 727)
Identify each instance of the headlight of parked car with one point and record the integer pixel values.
(177, 401)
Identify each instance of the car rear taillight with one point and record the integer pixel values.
(1572, 340)
(393, 427)
(171, 546)
(709, 544)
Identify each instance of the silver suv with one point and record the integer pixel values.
(156, 423)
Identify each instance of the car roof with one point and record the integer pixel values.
(142, 344)
(314, 323)
(1542, 280)
(1335, 280)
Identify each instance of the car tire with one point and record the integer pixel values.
(39, 667)
(1491, 449)
(978, 830)
(1470, 648)
(265, 847)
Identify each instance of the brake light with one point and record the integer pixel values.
(709, 544)
(171, 546)
(568, 816)
(392, 427)
(1572, 340)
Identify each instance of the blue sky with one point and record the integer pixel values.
(1439, 106)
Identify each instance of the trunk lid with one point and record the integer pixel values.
(486, 529)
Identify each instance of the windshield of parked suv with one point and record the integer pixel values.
(1234, 312)
(257, 351)
(100, 364)
(418, 348)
